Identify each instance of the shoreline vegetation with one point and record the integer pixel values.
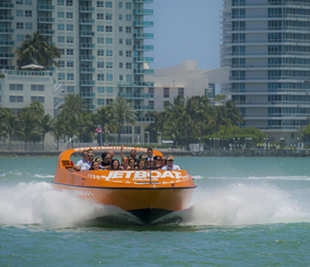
(256, 152)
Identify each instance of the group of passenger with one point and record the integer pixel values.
(107, 161)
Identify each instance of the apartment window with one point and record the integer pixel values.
(108, 16)
(181, 91)
(69, 3)
(100, 89)
(19, 25)
(108, 28)
(128, 29)
(120, 53)
(19, 13)
(109, 65)
(100, 53)
(109, 101)
(108, 4)
(100, 101)
(109, 41)
(19, 2)
(69, 15)
(60, 2)
(100, 16)
(69, 27)
(60, 15)
(16, 98)
(128, 41)
(61, 63)
(151, 90)
(100, 40)
(61, 39)
(100, 65)
(120, 29)
(109, 90)
(128, 5)
(70, 89)
(61, 27)
(120, 17)
(70, 76)
(69, 52)
(166, 103)
(28, 2)
(16, 87)
(166, 92)
(28, 13)
(37, 87)
(128, 78)
(120, 4)
(37, 98)
(128, 17)
(110, 77)
(120, 41)
(19, 38)
(109, 53)
(121, 77)
(128, 53)
(100, 77)
(100, 28)
(28, 26)
(61, 76)
(128, 66)
(100, 4)
(121, 65)
(70, 39)
(62, 51)
(70, 64)
(151, 103)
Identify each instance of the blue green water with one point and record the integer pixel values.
(244, 212)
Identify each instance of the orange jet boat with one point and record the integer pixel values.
(148, 194)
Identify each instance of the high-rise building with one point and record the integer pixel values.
(102, 44)
(266, 44)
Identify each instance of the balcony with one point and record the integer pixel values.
(145, 119)
(86, 21)
(136, 84)
(6, 43)
(143, 71)
(143, 12)
(6, 18)
(6, 30)
(87, 46)
(88, 95)
(87, 9)
(6, 6)
(7, 55)
(143, 23)
(87, 58)
(137, 96)
(143, 108)
(46, 20)
(87, 82)
(143, 35)
(46, 32)
(87, 70)
(143, 1)
(45, 8)
(143, 59)
(143, 47)
(86, 34)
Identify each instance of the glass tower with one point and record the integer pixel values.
(266, 45)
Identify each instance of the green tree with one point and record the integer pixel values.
(123, 113)
(8, 124)
(36, 50)
(104, 117)
(45, 123)
(157, 125)
(58, 130)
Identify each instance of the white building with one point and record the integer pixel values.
(266, 46)
(102, 44)
(186, 80)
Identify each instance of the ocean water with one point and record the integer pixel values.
(244, 212)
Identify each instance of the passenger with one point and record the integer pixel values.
(132, 164)
(111, 153)
(98, 159)
(91, 156)
(115, 165)
(125, 165)
(149, 154)
(83, 164)
(95, 166)
(170, 165)
(132, 154)
(141, 165)
(163, 161)
(157, 162)
(106, 160)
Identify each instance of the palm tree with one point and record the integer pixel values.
(123, 112)
(157, 125)
(46, 125)
(8, 123)
(58, 130)
(36, 50)
(104, 117)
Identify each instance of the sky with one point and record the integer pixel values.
(185, 30)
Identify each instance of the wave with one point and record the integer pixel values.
(242, 204)
(43, 176)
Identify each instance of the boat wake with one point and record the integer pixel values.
(38, 203)
(235, 204)
(241, 204)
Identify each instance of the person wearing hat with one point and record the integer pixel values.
(170, 165)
